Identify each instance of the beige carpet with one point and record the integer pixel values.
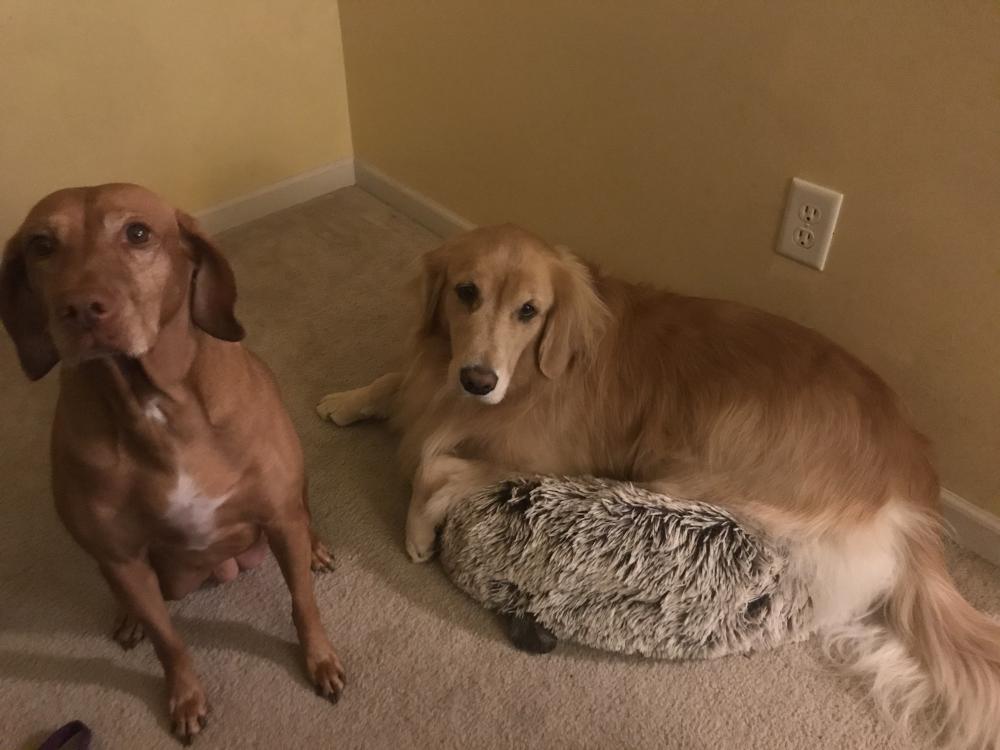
(320, 296)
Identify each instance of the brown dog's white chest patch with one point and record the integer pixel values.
(192, 512)
(151, 409)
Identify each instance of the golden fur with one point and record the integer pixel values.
(713, 399)
(700, 398)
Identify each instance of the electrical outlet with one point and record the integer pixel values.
(804, 238)
(807, 227)
(810, 213)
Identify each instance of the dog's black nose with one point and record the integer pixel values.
(85, 310)
(478, 380)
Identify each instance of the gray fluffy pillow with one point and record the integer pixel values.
(610, 565)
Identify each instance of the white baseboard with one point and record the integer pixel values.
(431, 214)
(971, 526)
(278, 196)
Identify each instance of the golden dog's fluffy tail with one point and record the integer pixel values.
(935, 663)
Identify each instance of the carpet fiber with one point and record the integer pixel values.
(320, 292)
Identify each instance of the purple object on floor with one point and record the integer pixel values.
(62, 737)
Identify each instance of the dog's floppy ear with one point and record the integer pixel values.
(23, 314)
(576, 320)
(432, 282)
(213, 287)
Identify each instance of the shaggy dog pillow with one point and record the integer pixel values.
(610, 565)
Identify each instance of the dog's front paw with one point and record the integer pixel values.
(188, 707)
(128, 632)
(322, 558)
(340, 408)
(327, 676)
(419, 550)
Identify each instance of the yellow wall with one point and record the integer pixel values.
(202, 101)
(658, 137)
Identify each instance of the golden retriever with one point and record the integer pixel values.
(526, 360)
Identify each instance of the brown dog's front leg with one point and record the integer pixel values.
(291, 544)
(137, 588)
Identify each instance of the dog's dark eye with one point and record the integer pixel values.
(137, 233)
(527, 311)
(41, 245)
(467, 292)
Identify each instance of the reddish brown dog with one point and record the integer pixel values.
(173, 458)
